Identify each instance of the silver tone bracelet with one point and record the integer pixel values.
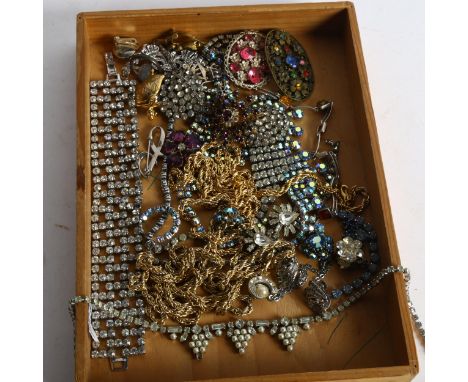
(116, 204)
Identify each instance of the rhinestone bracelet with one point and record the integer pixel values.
(117, 197)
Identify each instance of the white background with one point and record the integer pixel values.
(392, 34)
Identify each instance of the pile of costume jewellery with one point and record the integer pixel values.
(237, 159)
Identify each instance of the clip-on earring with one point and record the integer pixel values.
(324, 107)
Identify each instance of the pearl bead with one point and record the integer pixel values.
(290, 348)
(261, 329)
(173, 336)
(261, 291)
(218, 333)
(281, 336)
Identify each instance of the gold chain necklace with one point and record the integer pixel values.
(209, 277)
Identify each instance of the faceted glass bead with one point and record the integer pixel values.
(234, 67)
(248, 53)
(292, 61)
(255, 75)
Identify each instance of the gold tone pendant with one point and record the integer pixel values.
(147, 96)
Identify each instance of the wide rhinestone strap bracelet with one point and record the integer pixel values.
(116, 204)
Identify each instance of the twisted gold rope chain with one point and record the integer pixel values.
(209, 277)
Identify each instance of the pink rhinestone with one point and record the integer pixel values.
(255, 75)
(248, 53)
(236, 48)
(234, 67)
(302, 62)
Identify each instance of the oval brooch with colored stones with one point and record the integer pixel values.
(245, 62)
(289, 65)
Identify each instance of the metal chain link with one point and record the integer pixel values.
(418, 325)
(417, 322)
(71, 309)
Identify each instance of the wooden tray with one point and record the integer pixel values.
(373, 340)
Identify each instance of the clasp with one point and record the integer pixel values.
(152, 154)
(112, 74)
(118, 364)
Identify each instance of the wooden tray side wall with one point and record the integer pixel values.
(401, 321)
(332, 27)
(83, 204)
